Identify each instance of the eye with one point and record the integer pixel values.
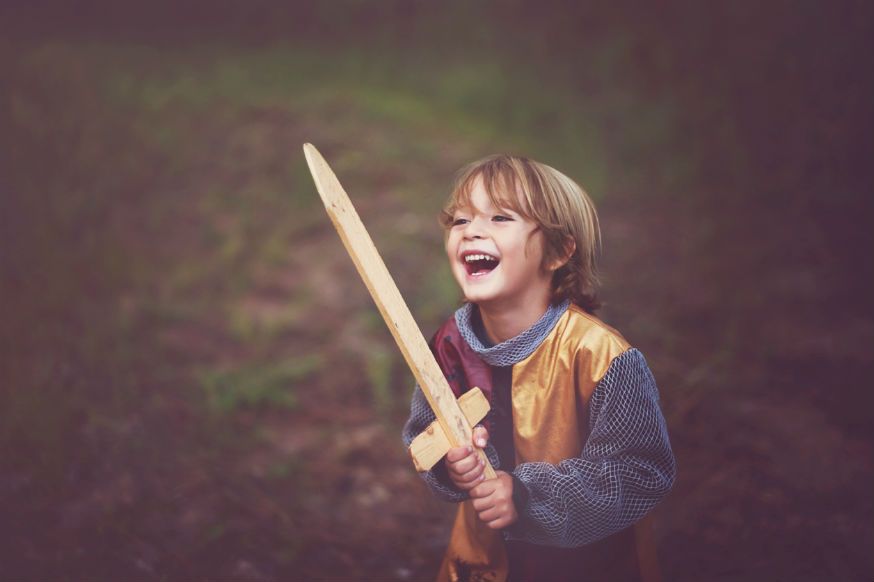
(459, 221)
(501, 218)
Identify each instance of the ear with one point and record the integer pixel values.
(568, 248)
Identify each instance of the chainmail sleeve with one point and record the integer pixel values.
(625, 468)
(437, 478)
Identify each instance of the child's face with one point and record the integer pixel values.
(496, 255)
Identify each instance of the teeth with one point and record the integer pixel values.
(471, 258)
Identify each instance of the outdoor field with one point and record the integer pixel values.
(195, 384)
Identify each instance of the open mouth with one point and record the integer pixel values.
(479, 264)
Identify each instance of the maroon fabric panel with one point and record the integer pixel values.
(462, 367)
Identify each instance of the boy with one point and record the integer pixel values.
(574, 431)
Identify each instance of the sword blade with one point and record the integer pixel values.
(390, 303)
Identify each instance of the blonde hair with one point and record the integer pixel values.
(558, 205)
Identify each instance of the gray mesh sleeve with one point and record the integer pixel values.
(437, 478)
(625, 468)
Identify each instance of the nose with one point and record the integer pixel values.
(474, 230)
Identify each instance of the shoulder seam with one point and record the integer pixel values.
(613, 359)
(612, 332)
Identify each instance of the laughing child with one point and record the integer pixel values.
(575, 431)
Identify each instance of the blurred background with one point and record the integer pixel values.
(194, 383)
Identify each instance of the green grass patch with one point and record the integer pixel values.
(477, 102)
(260, 328)
(258, 385)
(378, 365)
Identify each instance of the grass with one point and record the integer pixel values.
(210, 136)
(205, 285)
(482, 100)
(258, 385)
(378, 364)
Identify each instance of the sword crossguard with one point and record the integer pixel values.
(432, 443)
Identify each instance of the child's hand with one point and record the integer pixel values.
(464, 465)
(493, 501)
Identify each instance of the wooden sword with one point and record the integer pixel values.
(455, 418)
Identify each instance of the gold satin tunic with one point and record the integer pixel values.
(551, 389)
